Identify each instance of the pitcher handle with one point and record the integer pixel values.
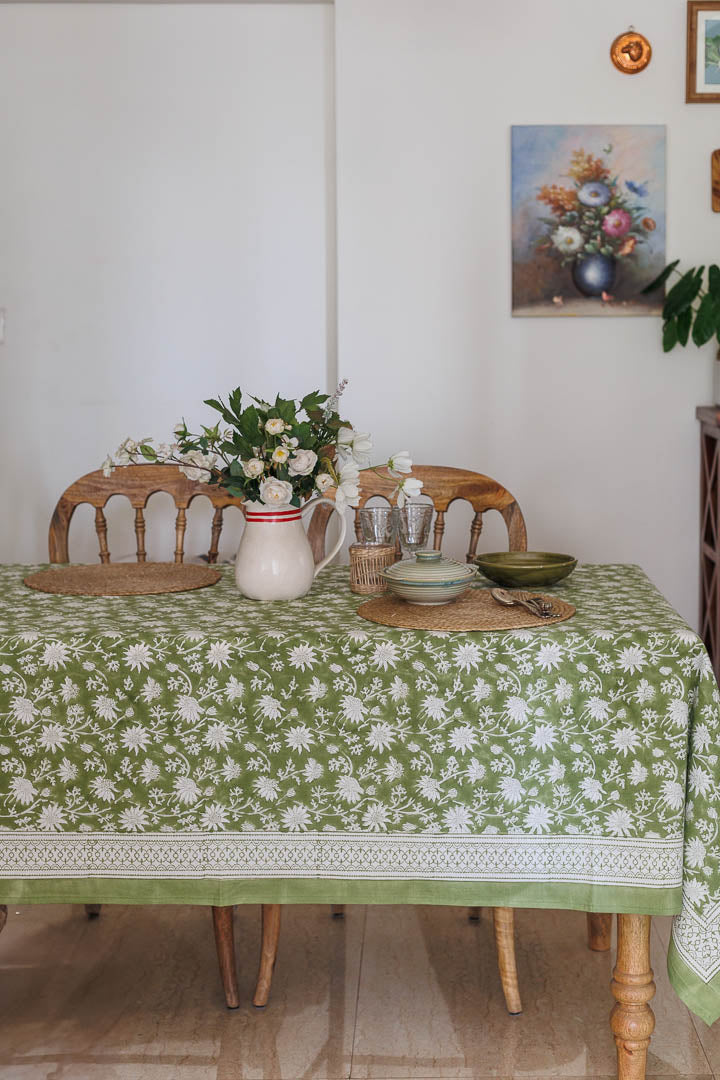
(343, 529)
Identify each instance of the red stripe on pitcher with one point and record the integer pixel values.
(269, 515)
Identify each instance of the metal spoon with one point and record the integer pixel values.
(541, 609)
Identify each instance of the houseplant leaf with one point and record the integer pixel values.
(661, 278)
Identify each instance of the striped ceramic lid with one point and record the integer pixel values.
(429, 568)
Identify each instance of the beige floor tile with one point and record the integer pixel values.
(135, 995)
(430, 1002)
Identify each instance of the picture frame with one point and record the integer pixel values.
(702, 80)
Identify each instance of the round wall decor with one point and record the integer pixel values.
(630, 52)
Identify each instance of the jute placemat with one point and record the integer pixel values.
(475, 610)
(123, 579)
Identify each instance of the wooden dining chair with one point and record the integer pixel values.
(137, 483)
(443, 486)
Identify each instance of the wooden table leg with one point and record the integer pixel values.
(599, 929)
(225, 945)
(632, 1020)
(3, 915)
(504, 922)
(268, 953)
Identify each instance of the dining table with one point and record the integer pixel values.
(202, 748)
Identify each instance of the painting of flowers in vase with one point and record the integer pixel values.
(588, 219)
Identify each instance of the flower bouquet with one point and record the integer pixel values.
(280, 460)
(595, 222)
(277, 455)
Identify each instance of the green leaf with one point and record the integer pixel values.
(705, 322)
(714, 281)
(314, 400)
(682, 295)
(249, 424)
(148, 452)
(670, 335)
(236, 469)
(660, 280)
(684, 321)
(285, 409)
(235, 399)
(235, 491)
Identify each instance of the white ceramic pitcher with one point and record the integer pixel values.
(275, 560)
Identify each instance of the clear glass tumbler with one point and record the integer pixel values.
(378, 524)
(414, 525)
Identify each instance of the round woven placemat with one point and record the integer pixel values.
(123, 579)
(475, 610)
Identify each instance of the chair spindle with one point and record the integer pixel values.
(180, 526)
(217, 524)
(475, 530)
(439, 529)
(101, 530)
(140, 535)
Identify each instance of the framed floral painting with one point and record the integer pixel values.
(702, 81)
(588, 218)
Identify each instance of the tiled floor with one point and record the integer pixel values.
(387, 992)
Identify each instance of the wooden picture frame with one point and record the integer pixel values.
(702, 76)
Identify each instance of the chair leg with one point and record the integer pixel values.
(268, 953)
(504, 920)
(599, 929)
(3, 915)
(337, 911)
(92, 910)
(225, 945)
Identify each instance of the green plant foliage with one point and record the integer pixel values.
(692, 306)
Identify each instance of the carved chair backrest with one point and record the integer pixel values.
(137, 483)
(443, 486)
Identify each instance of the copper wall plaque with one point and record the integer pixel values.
(630, 52)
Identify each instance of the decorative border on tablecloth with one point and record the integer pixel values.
(654, 863)
(697, 940)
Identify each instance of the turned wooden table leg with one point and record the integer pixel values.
(599, 928)
(268, 953)
(632, 1020)
(225, 945)
(504, 920)
(3, 915)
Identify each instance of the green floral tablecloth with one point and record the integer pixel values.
(203, 748)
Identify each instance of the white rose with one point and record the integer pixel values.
(303, 462)
(280, 455)
(275, 426)
(400, 462)
(275, 492)
(253, 468)
(323, 481)
(197, 466)
(356, 443)
(164, 451)
(108, 466)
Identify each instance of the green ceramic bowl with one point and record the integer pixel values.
(522, 568)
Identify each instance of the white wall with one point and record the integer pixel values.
(584, 420)
(166, 209)
(163, 220)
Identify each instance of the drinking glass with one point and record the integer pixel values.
(378, 524)
(414, 524)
